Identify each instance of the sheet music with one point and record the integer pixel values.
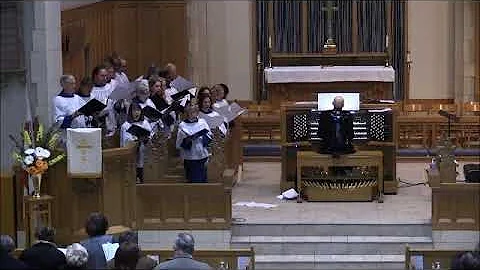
(63, 250)
(231, 112)
(181, 84)
(123, 91)
(109, 250)
(214, 120)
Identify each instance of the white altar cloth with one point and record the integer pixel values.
(313, 74)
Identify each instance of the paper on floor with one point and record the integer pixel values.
(288, 195)
(255, 204)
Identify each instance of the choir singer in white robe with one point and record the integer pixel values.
(101, 90)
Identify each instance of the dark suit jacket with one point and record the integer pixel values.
(96, 257)
(8, 262)
(333, 142)
(43, 255)
(182, 263)
(144, 263)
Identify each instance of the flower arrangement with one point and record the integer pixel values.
(38, 150)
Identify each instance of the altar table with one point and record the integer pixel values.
(301, 83)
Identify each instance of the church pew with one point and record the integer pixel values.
(243, 259)
(183, 206)
(456, 206)
(429, 258)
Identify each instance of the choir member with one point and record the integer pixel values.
(157, 86)
(142, 98)
(171, 71)
(205, 104)
(67, 104)
(221, 95)
(135, 117)
(120, 67)
(101, 90)
(84, 92)
(204, 90)
(193, 138)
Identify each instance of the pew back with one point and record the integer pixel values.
(243, 259)
(184, 206)
(416, 258)
(456, 206)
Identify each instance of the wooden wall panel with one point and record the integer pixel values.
(125, 36)
(143, 32)
(174, 46)
(7, 206)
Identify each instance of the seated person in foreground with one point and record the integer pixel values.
(337, 129)
(96, 228)
(44, 253)
(143, 262)
(77, 257)
(135, 117)
(7, 261)
(182, 257)
(193, 138)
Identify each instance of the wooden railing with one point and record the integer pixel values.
(243, 259)
(424, 131)
(456, 206)
(183, 206)
(428, 258)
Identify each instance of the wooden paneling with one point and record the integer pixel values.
(142, 32)
(477, 56)
(424, 131)
(7, 205)
(182, 206)
(456, 206)
(75, 199)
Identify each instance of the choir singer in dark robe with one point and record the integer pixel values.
(337, 129)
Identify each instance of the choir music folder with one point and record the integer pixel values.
(92, 106)
(199, 133)
(159, 102)
(151, 113)
(138, 131)
(181, 94)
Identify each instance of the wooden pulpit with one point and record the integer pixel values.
(113, 194)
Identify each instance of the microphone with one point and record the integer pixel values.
(448, 115)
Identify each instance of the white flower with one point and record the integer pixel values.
(28, 160)
(41, 152)
(29, 151)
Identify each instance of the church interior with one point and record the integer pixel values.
(248, 134)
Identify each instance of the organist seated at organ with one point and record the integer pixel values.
(336, 129)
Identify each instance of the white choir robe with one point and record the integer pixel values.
(126, 138)
(65, 106)
(169, 92)
(198, 151)
(121, 77)
(102, 93)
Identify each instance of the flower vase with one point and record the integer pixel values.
(37, 184)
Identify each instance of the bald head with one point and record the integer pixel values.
(338, 103)
(171, 70)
